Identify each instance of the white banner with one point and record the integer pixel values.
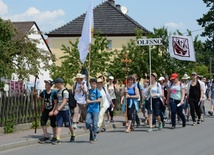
(87, 32)
(182, 48)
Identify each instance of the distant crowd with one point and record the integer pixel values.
(175, 98)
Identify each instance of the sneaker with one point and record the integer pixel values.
(184, 125)
(44, 140)
(202, 120)
(93, 141)
(103, 130)
(210, 112)
(91, 138)
(194, 124)
(75, 126)
(53, 139)
(173, 127)
(160, 126)
(150, 130)
(198, 122)
(73, 137)
(56, 142)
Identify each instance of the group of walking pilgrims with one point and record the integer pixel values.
(159, 99)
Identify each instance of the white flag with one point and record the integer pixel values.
(87, 32)
(181, 48)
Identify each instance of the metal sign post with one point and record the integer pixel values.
(149, 42)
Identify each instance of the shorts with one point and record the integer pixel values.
(63, 117)
(156, 107)
(45, 116)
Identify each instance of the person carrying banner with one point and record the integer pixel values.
(80, 91)
(194, 95)
(154, 97)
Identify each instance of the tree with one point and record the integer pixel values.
(207, 22)
(20, 55)
(71, 65)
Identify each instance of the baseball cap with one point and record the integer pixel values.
(194, 73)
(111, 78)
(49, 82)
(174, 76)
(161, 78)
(58, 80)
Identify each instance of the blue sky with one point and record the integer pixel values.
(51, 14)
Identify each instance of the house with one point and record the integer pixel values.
(109, 19)
(31, 29)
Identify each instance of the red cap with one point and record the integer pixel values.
(174, 76)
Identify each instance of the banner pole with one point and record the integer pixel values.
(150, 72)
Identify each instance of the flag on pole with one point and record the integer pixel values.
(87, 32)
(182, 48)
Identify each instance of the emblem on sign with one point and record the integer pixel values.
(181, 46)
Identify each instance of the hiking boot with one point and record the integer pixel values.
(73, 137)
(150, 130)
(44, 140)
(56, 142)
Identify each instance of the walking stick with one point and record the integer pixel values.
(35, 107)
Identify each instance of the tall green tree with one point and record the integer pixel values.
(98, 57)
(19, 54)
(207, 22)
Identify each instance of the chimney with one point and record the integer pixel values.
(112, 1)
(118, 6)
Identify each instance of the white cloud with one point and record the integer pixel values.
(3, 8)
(174, 25)
(47, 20)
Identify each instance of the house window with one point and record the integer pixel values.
(109, 46)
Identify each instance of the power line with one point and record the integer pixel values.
(194, 31)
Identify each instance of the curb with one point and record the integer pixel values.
(28, 142)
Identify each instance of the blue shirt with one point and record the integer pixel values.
(94, 94)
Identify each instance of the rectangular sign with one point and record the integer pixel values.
(149, 42)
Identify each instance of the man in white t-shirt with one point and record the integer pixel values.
(80, 91)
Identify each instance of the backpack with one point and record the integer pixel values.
(71, 100)
(52, 96)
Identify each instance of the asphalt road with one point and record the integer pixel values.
(197, 140)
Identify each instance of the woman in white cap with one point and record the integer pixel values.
(112, 91)
(185, 80)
